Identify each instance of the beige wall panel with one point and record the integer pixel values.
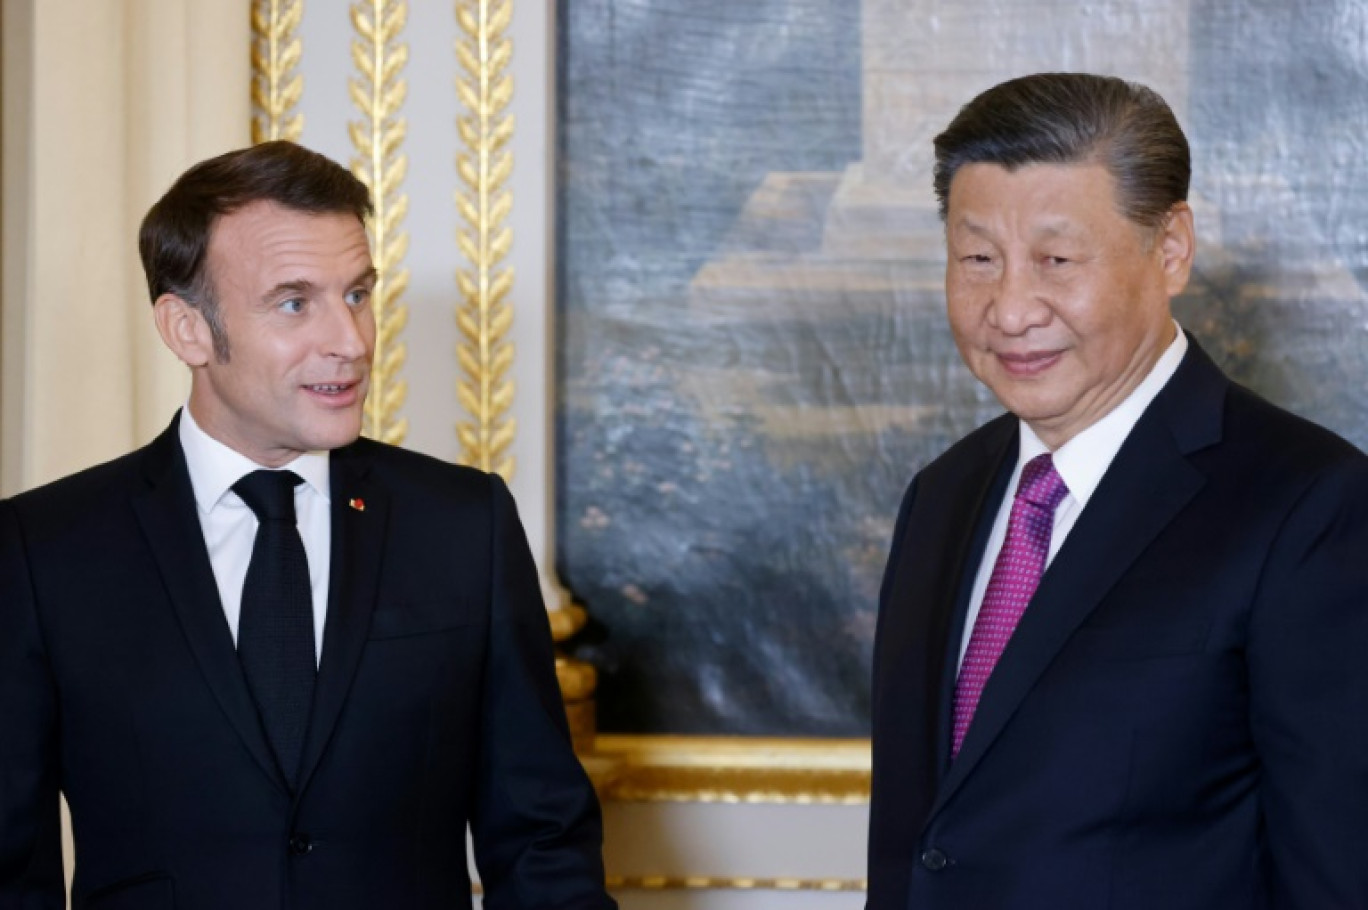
(109, 101)
(78, 337)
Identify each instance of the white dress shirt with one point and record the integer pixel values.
(1081, 462)
(230, 527)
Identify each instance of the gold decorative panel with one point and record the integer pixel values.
(276, 87)
(378, 91)
(727, 769)
(716, 883)
(484, 164)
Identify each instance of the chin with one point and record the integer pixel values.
(334, 437)
(1031, 408)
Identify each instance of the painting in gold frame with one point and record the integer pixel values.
(752, 360)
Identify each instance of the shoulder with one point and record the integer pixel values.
(980, 450)
(84, 491)
(406, 473)
(962, 472)
(1276, 469)
(1282, 443)
(1233, 429)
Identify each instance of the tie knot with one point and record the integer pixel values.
(1041, 484)
(270, 494)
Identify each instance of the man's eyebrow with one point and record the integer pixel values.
(965, 223)
(305, 286)
(1047, 230)
(298, 286)
(1060, 228)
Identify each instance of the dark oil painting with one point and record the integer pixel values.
(752, 354)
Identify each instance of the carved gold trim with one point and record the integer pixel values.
(484, 314)
(722, 883)
(378, 93)
(276, 87)
(577, 679)
(738, 769)
(715, 883)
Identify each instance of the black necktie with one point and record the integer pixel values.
(276, 627)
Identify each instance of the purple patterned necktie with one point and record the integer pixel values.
(1015, 576)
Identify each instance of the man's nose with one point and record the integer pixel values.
(349, 331)
(1020, 301)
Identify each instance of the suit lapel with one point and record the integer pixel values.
(1148, 484)
(917, 619)
(167, 513)
(968, 540)
(360, 514)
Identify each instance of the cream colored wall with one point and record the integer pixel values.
(104, 104)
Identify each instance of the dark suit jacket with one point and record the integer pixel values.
(436, 705)
(1180, 719)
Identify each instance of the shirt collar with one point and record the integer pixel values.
(214, 467)
(1083, 460)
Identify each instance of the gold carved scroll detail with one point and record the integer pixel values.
(378, 92)
(721, 883)
(485, 314)
(730, 769)
(276, 87)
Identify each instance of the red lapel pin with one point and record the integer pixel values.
(358, 504)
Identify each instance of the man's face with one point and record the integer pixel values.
(293, 290)
(1058, 302)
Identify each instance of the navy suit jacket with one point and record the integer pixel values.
(1180, 719)
(436, 705)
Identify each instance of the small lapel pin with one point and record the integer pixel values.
(358, 504)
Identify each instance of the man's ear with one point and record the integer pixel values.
(1177, 247)
(183, 329)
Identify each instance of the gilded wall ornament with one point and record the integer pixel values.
(378, 91)
(276, 87)
(484, 164)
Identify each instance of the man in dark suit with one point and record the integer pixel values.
(1122, 653)
(270, 664)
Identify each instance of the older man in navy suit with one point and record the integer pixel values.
(1122, 654)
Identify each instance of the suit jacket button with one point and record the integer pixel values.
(300, 845)
(935, 860)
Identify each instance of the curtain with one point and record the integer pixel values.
(104, 105)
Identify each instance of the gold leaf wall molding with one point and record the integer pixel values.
(739, 883)
(378, 92)
(485, 313)
(730, 769)
(722, 883)
(276, 87)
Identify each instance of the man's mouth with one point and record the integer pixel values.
(1029, 363)
(340, 392)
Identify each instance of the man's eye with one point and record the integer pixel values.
(293, 305)
(357, 298)
(1056, 260)
(978, 259)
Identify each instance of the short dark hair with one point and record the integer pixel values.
(1073, 118)
(174, 238)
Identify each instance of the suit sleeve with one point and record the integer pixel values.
(1308, 665)
(30, 829)
(537, 830)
